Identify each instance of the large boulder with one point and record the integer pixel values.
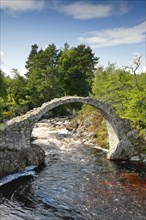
(123, 151)
(12, 160)
(34, 155)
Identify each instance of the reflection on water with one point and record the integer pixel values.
(77, 183)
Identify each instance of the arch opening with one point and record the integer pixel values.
(20, 128)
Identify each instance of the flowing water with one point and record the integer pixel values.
(77, 182)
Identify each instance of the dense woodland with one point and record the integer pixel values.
(53, 72)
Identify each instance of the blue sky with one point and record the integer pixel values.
(114, 29)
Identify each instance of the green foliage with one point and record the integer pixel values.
(3, 92)
(136, 109)
(18, 88)
(31, 57)
(97, 125)
(118, 88)
(76, 66)
(42, 80)
(51, 73)
(71, 71)
(90, 120)
(56, 72)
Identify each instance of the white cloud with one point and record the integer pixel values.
(2, 64)
(80, 9)
(6, 69)
(22, 5)
(1, 53)
(116, 36)
(9, 72)
(84, 10)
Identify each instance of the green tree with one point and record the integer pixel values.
(42, 80)
(18, 88)
(31, 58)
(3, 92)
(76, 66)
(119, 88)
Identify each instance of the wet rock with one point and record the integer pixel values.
(34, 155)
(123, 151)
(139, 158)
(135, 158)
(11, 161)
(16, 160)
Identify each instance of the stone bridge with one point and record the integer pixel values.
(17, 132)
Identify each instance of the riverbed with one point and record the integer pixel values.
(77, 182)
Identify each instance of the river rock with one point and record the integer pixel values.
(16, 160)
(124, 151)
(34, 155)
(135, 158)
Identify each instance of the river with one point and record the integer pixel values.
(77, 182)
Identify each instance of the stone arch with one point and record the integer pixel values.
(17, 132)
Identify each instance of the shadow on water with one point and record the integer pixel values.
(9, 188)
(11, 183)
